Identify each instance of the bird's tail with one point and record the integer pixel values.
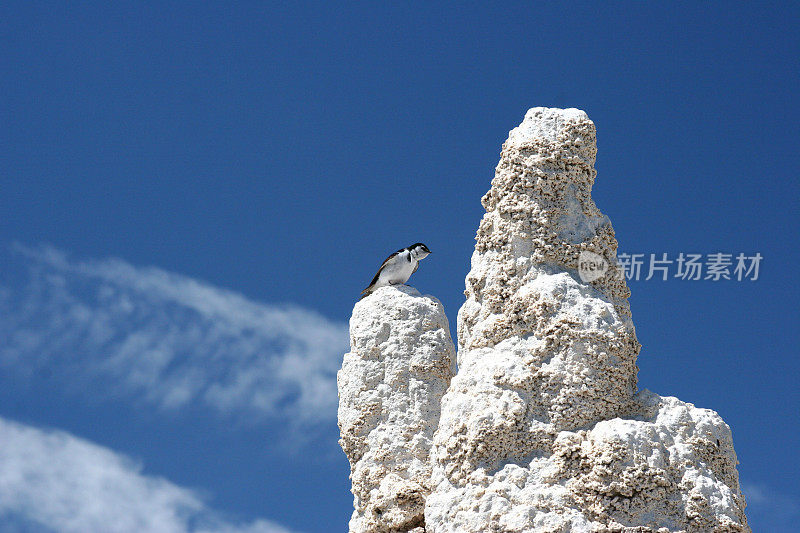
(366, 292)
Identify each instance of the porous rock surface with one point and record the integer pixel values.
(391, 383)
(543, 428)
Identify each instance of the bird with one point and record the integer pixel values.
(398, 267)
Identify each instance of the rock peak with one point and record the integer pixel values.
(539, 218)
(544, 124)
(391, 383)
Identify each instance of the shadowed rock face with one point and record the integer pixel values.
(391, 383)
(543, 428)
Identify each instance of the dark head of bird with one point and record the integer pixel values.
(419, 250)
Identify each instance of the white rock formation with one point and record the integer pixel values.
(542, 429)
(391, 383)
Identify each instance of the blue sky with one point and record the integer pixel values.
(192, 196)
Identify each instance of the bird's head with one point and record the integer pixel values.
(419, 250)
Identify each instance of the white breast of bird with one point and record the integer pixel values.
(399, 269)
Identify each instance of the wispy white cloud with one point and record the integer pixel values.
(771, 510)
(167, 340)
(55, 481)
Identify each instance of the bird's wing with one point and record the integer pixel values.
(375, 279)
